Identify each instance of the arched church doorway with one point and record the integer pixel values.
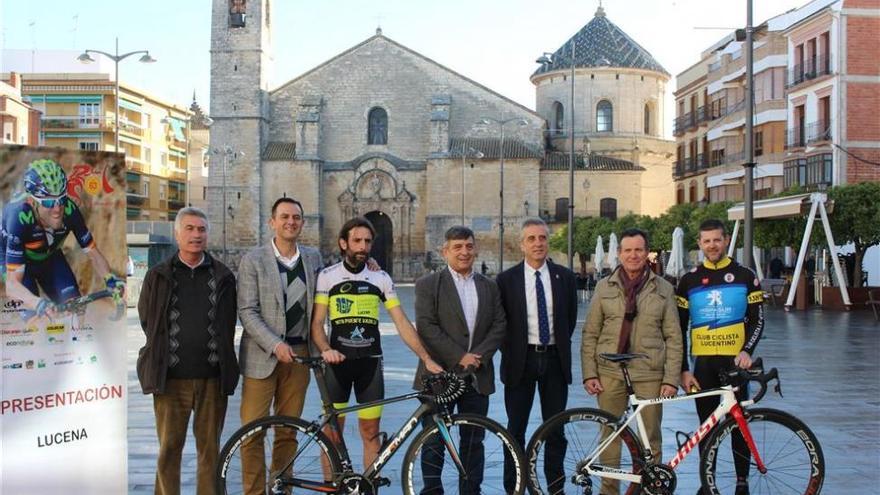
(383, 244)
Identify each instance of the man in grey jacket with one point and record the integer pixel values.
(276, 285)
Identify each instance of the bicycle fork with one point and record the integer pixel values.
(450, 445)
(737, 413)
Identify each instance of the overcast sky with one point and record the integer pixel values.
(493, 42)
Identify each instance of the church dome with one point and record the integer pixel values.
(602, 44)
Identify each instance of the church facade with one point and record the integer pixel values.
(385, 132)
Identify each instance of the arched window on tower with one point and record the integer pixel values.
(377, 121)
(558, 118)
(604, 117)
(647, 129)
(237, 10)
(608, 208)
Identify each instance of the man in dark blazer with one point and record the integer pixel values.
(540, 300)
(461, 322)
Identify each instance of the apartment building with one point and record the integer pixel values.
(78, 112)
(711, 119)
(833, 94)
(19, 122)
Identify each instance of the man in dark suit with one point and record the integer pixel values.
(540, 300)
(460, 320)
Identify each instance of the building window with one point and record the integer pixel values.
(558, 118)
(89, 114)
(759, 143)
(692, 192)
(378, 126)
(647, 129)
(145, 189)
(148, 155)
(604, 116)
(237, 9)
(88, 145)
(561, 209)
(163, 191)
(679, 194)
(163, 158)
(608, 208)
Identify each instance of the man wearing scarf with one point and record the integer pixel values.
(632, 311)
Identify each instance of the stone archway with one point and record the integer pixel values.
(378, 191)
(383, 244)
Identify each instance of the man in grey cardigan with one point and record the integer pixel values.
(276, 285)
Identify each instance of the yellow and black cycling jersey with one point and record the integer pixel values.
(720, 306)
(353, 301)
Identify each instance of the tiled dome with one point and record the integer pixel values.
(602, 44)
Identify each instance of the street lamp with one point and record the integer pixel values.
(226, 152)
(485, 121)
(116, 58)
(465, 152)
(547, 59)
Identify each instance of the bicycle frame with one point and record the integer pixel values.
(728, 404)
(330, 417)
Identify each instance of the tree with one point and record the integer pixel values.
(585, 232)
(676, 216)
(856, 219)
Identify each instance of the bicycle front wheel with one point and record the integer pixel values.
(275, 452)
(560, 448)
(472, 463)
(790, 451)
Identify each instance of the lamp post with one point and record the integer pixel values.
(485, 121)
(465, 151)
(748, 196)
(547, 59)
(86, 58)
(226, 152)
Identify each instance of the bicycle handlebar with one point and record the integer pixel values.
(755, 374)
(453, 383)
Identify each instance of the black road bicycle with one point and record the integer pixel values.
(282, 455)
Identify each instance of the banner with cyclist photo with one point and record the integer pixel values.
(62, 325)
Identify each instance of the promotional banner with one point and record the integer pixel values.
(62, 322)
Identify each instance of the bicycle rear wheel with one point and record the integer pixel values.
(561, 446)
(790, 451)
(480, 443)
(275, 452)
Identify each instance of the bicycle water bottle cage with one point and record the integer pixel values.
(678, 438)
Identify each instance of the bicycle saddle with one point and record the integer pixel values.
(621, 358)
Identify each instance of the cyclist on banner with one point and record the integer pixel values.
(352, 295)
(720, 303)
(35, 226)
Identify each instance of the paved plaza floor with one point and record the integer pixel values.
(829, 363)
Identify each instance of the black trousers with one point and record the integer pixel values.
(470, 448)
(543, 371)
(707, 371)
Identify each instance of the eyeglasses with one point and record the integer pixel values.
(51, 202)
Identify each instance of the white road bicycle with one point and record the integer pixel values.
(784, 457)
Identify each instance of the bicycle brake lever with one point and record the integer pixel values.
(778, 389)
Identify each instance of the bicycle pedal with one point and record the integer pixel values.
(382, 481)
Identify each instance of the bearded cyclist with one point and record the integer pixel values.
(35, 226)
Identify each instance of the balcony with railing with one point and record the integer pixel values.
(683, 123)
(136, 165)
(818, 131)
(795, 137)
(76, 122)
(702, 115)
(808, 70)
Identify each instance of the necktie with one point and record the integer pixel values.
(543, 320)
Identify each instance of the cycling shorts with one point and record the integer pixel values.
(362, 374)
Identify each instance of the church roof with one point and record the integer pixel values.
(490, 147)
(602, 44)
(556, 160)
(379, 37)
(280, 151)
